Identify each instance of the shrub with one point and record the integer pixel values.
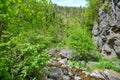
(80, 39)
(25, 54)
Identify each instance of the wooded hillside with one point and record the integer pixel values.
(30, 28)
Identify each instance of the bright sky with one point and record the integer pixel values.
(76, 3)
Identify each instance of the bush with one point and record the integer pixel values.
(80, 39)
(25, 54)
(22, 46)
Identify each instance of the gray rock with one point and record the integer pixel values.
(95, 39)
(70, 73)
(112, 22)
(58, 59)
(103, 24)
(97, 74)
(112, 75)
(107, 29)
(113, 53)
(95, 29)
(101, 14)
(56, 73)
(117, 50)
(107, 49)
(117, 41)
(65, 71)
(77, 77)
(118, 17)
(66, 78)
(90, 64)
(111, 19)
(118, 4)
(67, 53)
(117, 63)
(63, 61)
(114, 41)
(53, 51)
(100, 43)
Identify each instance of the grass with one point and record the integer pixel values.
(102, 64)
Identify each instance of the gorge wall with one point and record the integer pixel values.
(106, 31)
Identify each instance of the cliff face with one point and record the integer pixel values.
(106, 31)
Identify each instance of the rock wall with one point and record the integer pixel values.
(106, 31)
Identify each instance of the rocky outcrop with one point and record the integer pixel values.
(64, 53)
(60, 69)
(106, 31)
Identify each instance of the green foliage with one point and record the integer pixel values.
(4, 74)
(29, 27)
(105, 6)
(91, 12)
(80, 39)
(78, 36)
(105, 63)
(65, 18)
(78, 63)
(115, 58)
(70, 15)
(24, 39)
(25, 54)
(25, 14)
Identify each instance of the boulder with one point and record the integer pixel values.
(67, 53)
(53, 52)
(66, 78)
(98, 75)
(106, 49)
(112, 75)
(77, 77)
(63, 61)
(55, 73)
